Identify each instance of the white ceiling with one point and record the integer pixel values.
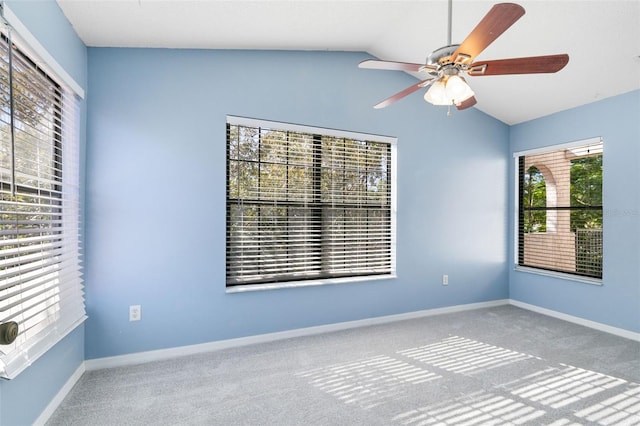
(602, 38)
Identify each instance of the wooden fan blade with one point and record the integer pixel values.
(496, 21)
(409, 90)
(468, 103)
(530, 65)
(375, 64)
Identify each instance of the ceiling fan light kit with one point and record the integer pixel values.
(448, 90)
(446, 65)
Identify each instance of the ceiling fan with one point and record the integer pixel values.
(446, 65)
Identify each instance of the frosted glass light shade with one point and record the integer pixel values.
(437, 94)
(457, 89)
(454, 91)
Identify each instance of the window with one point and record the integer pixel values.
(560, 209)
(307, 203)
(40, 282)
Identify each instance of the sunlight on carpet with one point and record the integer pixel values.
(481, 408)
(523, 395)
(557, 387)
(460, 355)
(621, 409)
(367, 382)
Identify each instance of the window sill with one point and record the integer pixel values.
(560, 275)
(310, 283)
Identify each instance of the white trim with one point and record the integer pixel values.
(255, 122)
(390, 142)
(557, 274)
(163, 354)
(627, 334)
(394, 206)
(558, 147)
(60, 396)
(308, 283)
(516, 222)
(50, 65)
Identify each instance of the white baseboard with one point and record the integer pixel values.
(163, 354)
(60, 396)
(577, 320)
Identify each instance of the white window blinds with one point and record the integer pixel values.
(306, 203)
(560, 209)
(40, 278)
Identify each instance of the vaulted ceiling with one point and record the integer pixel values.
(602, 39)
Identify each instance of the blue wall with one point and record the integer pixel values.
(154, 203)
(617, 301)
(24, 398)
(155, 233)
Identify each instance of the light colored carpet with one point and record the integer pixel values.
(493, 366)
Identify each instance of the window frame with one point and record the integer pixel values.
(516, 208)
(59, 300)
(312, 130)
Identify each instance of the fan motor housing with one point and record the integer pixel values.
(441, 53)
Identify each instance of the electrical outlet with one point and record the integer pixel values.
(135, 313)
(445, 280)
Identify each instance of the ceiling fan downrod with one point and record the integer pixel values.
(450, 21)
(448, 50)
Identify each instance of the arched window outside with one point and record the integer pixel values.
(560, 209)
